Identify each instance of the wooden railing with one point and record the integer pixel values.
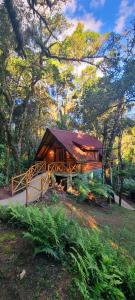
(23, 181)
(20, 182)
(37, 187)
(61, 167)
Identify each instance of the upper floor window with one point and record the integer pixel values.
(92, 155)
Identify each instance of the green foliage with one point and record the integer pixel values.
(128, 174)
(129, 188)
(129, 283)
(129, 185)
(49, 229)
(99, 270)
(2, 164)
(86, 185)
(8, 165)
(54, 197)
(5, 215)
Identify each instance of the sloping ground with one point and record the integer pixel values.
(43, 278)
(117, 223)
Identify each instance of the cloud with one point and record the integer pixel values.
(70, 6)
(126, 10)
(97, 3)
(90, 23)
(79, 68)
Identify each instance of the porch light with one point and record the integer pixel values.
(51, 152)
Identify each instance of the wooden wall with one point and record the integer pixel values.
(87, 167)
(49, 153)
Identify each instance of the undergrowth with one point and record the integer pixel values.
(85, 186)
(100, 270)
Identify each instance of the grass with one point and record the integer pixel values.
(116, 223)
(7, 236)
(119, 223)
(44, 279)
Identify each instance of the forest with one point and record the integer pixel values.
(54, 74)
(82, 81)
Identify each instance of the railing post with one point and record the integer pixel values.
(41, 187)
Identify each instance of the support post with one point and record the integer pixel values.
(69, 182)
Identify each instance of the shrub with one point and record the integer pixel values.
(129, 282)
(129, 187)
(128, 174)
(85, 186)
(54, 197)
(4, 214)
(50, 230)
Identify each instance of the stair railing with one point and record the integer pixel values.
(19, 182)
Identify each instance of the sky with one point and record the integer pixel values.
(101, 15)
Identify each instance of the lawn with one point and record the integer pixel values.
(115, 222)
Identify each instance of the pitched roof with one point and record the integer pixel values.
(76, 142)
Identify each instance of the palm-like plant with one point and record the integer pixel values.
(87, 186)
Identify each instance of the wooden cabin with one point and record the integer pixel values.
(69, 152)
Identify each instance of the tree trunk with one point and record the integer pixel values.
(21, 132)
(112, 136)
(120, 163)
(104, 151)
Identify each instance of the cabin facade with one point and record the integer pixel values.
(69, 152)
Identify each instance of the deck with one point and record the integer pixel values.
(24, 180)
(64, 169)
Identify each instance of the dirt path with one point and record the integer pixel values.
(34, 194)
(124, 203)
(4, 193)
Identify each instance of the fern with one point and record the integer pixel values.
(85, 186)
(98, 270)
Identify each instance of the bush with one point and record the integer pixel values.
(54, 197)
(86, 186)
(99, 270)
(129, 187)
(128, 174)
(5, 215)
(50, 230)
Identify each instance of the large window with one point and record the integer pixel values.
(60, 154)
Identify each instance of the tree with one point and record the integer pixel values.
(50, 22)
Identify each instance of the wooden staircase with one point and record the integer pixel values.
(36, 180)
(20, 182)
